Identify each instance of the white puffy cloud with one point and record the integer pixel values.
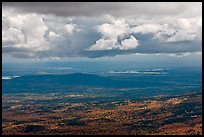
(111, 32)
(44, 35)
(24, 31)
(52, 35)
(34, 32)
(130, 43)
(59, 27)
(110, 44)
(70, 28)
(182, 36)
(12, 35)
(147, 28)
(114, 29)
(104, 44)
(172, 30)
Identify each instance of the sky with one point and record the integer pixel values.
(101, 31)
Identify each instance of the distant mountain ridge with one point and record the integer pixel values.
(55, 83)
(50, 82)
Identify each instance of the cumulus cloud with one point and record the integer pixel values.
(130, 43)
(111, 35)
(34, 32)
(110, 44)
(147, 28)
(181, 29)
(17, 31)
(60, 30)
(104, 44)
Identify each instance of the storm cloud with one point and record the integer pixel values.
(111, 8)
(61, 30)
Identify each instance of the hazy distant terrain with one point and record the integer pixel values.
(147, 81)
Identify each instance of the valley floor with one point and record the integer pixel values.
(179, 114)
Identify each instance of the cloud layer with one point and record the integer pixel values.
(60, 30)
(117, 9)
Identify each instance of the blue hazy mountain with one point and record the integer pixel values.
(183, 79)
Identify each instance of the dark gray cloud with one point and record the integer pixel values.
(147, 46)
(111, 8)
